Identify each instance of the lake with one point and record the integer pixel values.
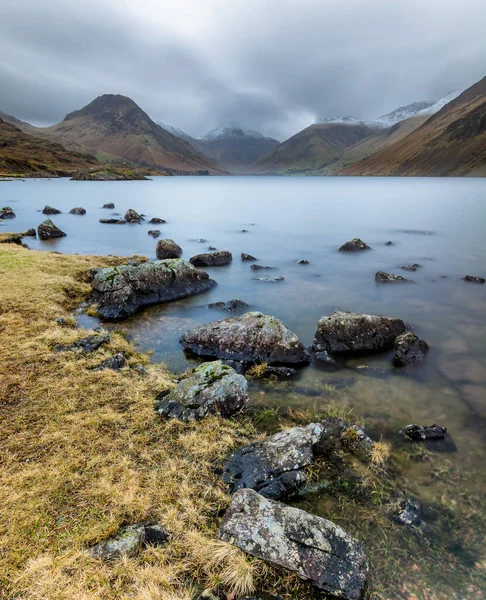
(437, 223)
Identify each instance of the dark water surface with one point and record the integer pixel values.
(438, 223)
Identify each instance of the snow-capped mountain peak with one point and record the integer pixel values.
(174, 130)
(347, 119)
(436, 106)
(230, 133)
(403, 112)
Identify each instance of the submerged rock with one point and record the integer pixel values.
(108, 205)
(253, 337)
(212, 259)
(389, 243)
(324, 358)
(49, 210)
(356, 332)
(245, 256)
(129, 540)
(89, 343)
(79, 210)
(48, 230)
(315, 548)
(409, 349)
(473, 279)
(167, 249)
(411, 267)
(7, 213)
(156, 221)
(113, 221)
(132, 216)
(155, 233)
(214, 388)
(408, 513)
(260, 267)
(302, 261)
(230, 306)
(382, 277)
(419, 433)
(115, 363)
(354, 245)
(269, 278)
(121, 291)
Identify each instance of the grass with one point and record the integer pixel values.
(84, 453)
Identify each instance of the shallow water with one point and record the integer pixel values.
(438, 223)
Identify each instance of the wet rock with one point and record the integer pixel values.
(113, 221)
(315, 548)
(121, 291)
(418, 433)
(382, 277)
(259, 267)
(280, 372)
(409, 349)
(89, 343)
(389, 243)
(49, 210)
(132, 216)
(354, 245)
(214, 388)
(62, 322)
(7, 213)
(129, 541)
(29, 233)
(324, 358)
(108, 205)
(212, 259)
(47, 230)
(199, 240)
(302, 261)
(230, 306)
(247, 256)
(269, 278)
(253, 337)
(408, 513)
(79, 210)
(212, 248)
(167, 249)
(115, 363)
(244, 231)
(155, 233)
(411, 267)
(156, 221)
(473, 279)
(356, 332)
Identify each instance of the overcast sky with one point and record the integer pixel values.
(271, 65)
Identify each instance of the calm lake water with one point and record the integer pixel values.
(438, 223)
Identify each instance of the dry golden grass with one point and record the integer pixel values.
(83, 453)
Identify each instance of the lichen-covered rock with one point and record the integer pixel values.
(115, 363)
(245, 256)
(50, 210)
(252, 337)
(214, 388)
(167, 249)
(314, 548)
(409, 349)
(156, 221)
(79, 210)
(354, 245)
(132, 216)
(7, 213)
(155, 233)
(356, 332)
(212, 259)
(121, 291)
(419, 433)
(382, 277)
(89, 343)
(473, 279)
(48, 230)
(129, 541)
(230, 306)
(113, 221)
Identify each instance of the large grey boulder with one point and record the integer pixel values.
(214, 388)
(252, 337)
(212, 259)
(167, 249)
(121, 291)
(356, 332)
(409, 349)
(48, 230)
(316, 549)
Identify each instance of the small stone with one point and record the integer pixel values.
(244, 231)
(245, 256)
(269, 278)
(86, 344)
(155, 233)
(49, 210)
(113, 221)
(129, 541)
(409, 349)
(212, 248)
(419, 433)
(259, 267)
(156, 221)
(411, 267)
(302, 261)
(167, 249)
(354, 245)
(30, 233)
(230, 306)
(382, 277)
(115, 363)
(389, 243)
(132, 216)
(408, 513)
(79, 210)
(108, 205)
(325, 358)
(473, 279)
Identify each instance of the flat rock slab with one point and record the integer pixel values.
(252, 337)
(214, 388)
(121, 291)
(356, 332)
(314, 548)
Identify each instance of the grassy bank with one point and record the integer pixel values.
(83, 453)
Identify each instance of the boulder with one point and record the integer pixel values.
(29, 233)
(7, 213)
(167, 249)
(108, 205)
(115, 363)
(156, 221)
(269, 278)
(121, 291)
(252, 337)
(259, 267)
(473, 279)
(230, 306)
(48, 230)
(113, 221)
(132, 216)
(89, 343)
(382, 277)
(129, 540)
(409, 349)
(356, 332)
(247, 256)
(314, 548)
(49, 210)
(418, 433)
(79, 210)
(214, 388)
(155, 233)
(354, 245)
(212, 259)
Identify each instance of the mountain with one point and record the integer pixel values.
(312, 149)
(235, 148)
(404, 112)
(348, 120)
(115, 129)
(177, 132)
(23, 154)
(450, 142)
